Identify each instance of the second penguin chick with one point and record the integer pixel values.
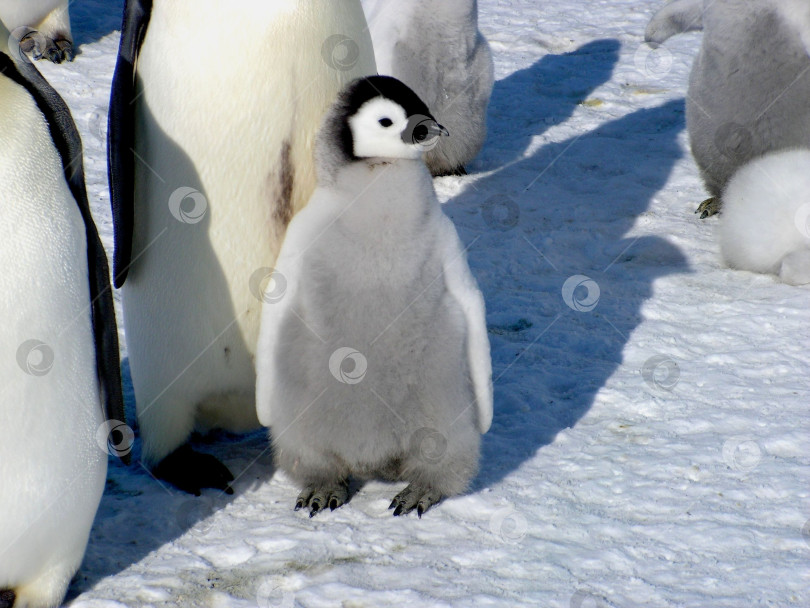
(749, 83)
(373, 358)
(435, 47)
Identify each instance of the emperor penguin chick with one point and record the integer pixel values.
(373, 358)
(749, 83)
(435, 47)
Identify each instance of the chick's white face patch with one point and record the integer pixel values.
(377, 129)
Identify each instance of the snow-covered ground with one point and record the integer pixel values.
(651, 443)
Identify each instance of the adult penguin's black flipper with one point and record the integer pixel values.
(121, 134)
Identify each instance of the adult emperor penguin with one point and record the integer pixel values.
(749, 84)
(60, 374)
(42, 25)
(374, 361)
(210, 157)
(435, 47)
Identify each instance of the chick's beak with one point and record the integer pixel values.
(438, 130)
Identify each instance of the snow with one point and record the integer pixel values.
(650, 439)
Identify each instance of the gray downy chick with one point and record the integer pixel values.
(373, 358)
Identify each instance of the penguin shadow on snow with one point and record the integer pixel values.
(138, 513)
(530, 101)
(560, 218)
(92, 20)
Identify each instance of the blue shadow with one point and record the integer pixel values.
(538, 221)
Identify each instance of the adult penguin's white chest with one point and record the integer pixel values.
(51, 468)
(231, 96)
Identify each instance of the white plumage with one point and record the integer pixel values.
(232, 123)
(765, 224)
(51, 466)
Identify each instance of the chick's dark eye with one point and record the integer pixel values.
(386, 122)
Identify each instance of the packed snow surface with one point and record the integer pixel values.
(651, 438)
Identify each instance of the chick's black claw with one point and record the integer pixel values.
(319, 496)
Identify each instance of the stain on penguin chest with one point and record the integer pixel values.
(281, 187)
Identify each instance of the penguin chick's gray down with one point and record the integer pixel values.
(435, 47)
(373, 358)
(749, 84)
